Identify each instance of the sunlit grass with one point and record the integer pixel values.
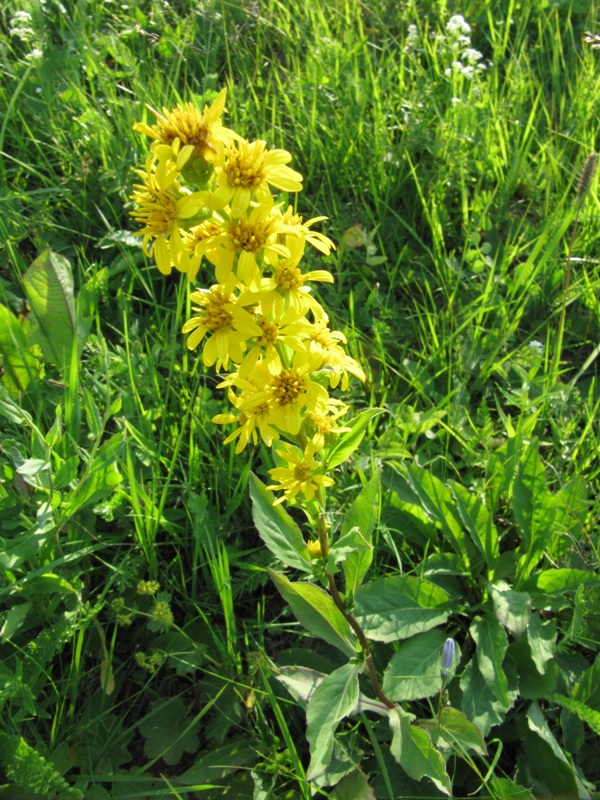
(451, 200)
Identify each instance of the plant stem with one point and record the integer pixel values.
(353, 622)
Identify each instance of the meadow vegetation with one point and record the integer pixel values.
(157, 636)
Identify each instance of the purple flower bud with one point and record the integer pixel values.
(448, 656)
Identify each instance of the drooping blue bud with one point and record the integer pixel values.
(448, 656)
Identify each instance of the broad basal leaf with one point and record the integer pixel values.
(414, 751)
(492, 643)
(334, 698)
(513, 609)
(48, 284)
(18, 363)
(414, 670)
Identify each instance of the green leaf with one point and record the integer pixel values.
(585, 713)
(508, 790)
(478, 520)
(277, 529)
(587, 689)
(48, 284)
(479, 702)
(12, 411)
(354, 786)
(315, 609)
(28, 769)
(100, 479)
(362, 515)
(492, 643)
(18, 363)
(301, 682)
(541, 637)
(547, 758)
(438, 501)
(397, 607)
(414, 671)
(348, 442)
(165, 731)
(533, 509)
(332, 701)
(414, 751)
(453, 729)
(557, 581)
(532, 685)
(513, 609)
(218, 763)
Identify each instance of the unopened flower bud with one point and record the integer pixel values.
(448, 656)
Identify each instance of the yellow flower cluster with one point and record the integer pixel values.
(206, 197)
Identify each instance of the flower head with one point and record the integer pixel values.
(220, 313)
(203, 131)
(303, 474)
(246, 171)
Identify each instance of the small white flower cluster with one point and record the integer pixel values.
(412, 38)
(21, 28)
(470, 61)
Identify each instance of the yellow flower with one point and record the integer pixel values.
(221, 314)
(249, 421)
(327, 423)
(195, 240)
(287, 282)
(162, 204)
(302, 475)
(187, 125)
(327, 344)
(318, 240)
(287, 393)
(246, 169)
(314, 548)
(252, 240)
(275, 332)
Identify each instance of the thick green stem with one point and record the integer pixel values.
(353, 622)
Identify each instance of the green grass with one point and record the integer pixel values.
(451, 293)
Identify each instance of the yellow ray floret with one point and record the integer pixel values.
(303, 474)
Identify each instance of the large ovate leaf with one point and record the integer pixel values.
(415, 670)
(354, 786)
(18, 363)
(548, 760)
(479, 703)
(48, 284)
(541, 637)
(397, 607)
(414, 751)
(452, 730)
(277, 529)
(492, 643)
(332, 701)
(301, 682)
(556, 581)
(315, 609)
(512, 608)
